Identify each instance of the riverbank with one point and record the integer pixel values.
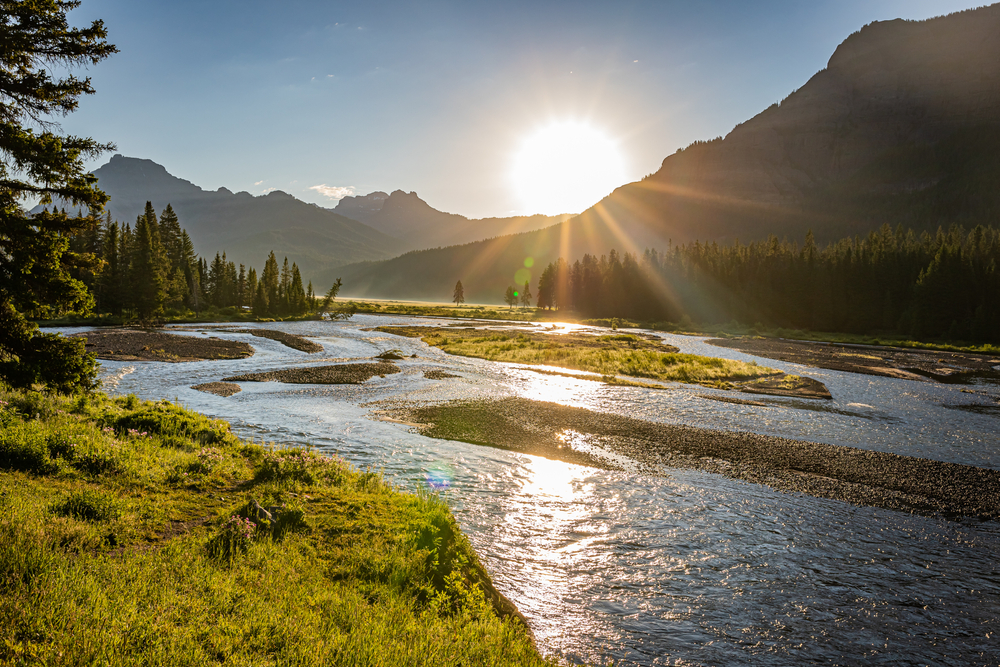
(908, 364)
(581, 436)
(610, 356)
(134, 531)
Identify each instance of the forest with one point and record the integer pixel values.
(893, 281)
(150, 269)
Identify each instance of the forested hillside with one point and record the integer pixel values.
(942, 285)
(151, 269)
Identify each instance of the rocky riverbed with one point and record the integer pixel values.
(146, 345)
(869, 359)
(577, 435)
(334, 374)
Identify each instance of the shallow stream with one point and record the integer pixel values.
(681, 568)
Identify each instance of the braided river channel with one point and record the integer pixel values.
(666, 566)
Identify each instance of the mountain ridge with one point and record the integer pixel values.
(901, 127)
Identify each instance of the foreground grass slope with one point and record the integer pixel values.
(141, 533)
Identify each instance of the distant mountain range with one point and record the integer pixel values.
(407, 217)
(901, 127)
(246, 227)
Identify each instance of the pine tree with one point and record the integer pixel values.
(297, 295)
(147, 271)
(459, 296)
(270, 279)
(35, 259)
(510, 296)
(526, 294)
(331, 295)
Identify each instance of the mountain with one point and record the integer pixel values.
(246, 227)
(901, 127)
(409, 218)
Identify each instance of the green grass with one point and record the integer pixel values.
(608, 356)
(130, 534)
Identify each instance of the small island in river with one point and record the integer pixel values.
(619, 354)
(146, 345)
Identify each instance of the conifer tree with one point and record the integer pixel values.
(147, 271)
(35, 259)
(270, 279)
(526, 294)
(510, 296)
(297, 295)
(459, 296)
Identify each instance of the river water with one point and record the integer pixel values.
(679, 568)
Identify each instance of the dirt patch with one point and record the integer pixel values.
(219, 388)
(337, 374)
(289, 340)
(868, 359)
(852, 475)
(143, 345)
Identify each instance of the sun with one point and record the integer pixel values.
(566, 167)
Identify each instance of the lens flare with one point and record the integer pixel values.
(439, 476)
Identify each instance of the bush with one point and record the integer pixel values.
(298, 465)
(23, 447)
(89, 505)
(165, 419)
(232, 540)
(61, 446)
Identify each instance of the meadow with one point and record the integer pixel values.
(135, 532)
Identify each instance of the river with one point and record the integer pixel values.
(676, 568)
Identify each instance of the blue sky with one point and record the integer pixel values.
(435, 96)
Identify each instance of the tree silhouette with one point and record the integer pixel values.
(526, 294)
(459, 296)
(510, 296)
(331, 295)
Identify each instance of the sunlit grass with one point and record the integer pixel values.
(112, 513)
(569, 353)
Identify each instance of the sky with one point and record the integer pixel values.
(323, 98)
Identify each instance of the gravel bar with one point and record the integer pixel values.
(144, 345)
(857, 476)
(219, 388)
(336, 374)
(299, 343)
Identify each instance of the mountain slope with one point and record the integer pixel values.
(901, 127)
(244, 226)
(409, 218)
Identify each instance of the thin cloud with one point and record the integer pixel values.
(258, 182)
(334, 191)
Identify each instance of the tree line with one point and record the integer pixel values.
(943, 285)
(151, 268)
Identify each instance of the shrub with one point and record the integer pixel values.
(298, 465)
(165, 419)
(61, 445)
(89, 505)
(232, 540)
(23, 447)
(98, 462)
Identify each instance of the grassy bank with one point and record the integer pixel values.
(612, 355)
(135, 532)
